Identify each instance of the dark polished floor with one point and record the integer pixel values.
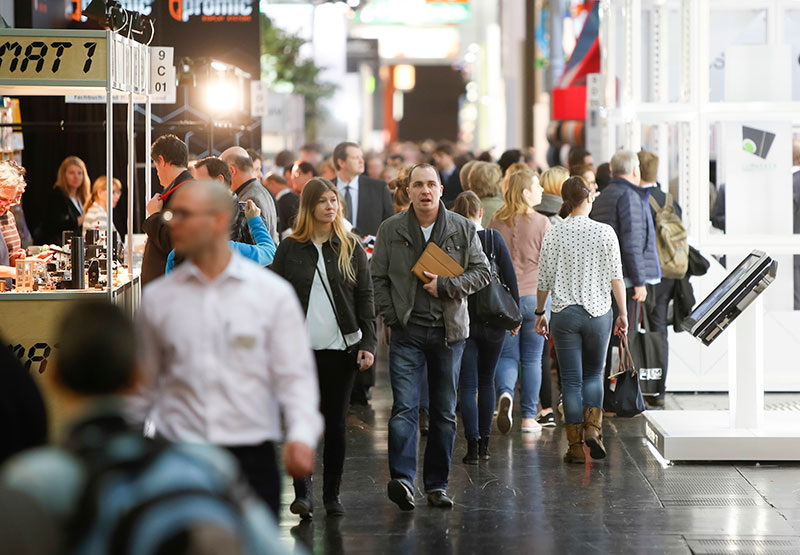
(526, 500)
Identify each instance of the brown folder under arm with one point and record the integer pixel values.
(435, 261)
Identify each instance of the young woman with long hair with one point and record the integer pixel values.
(522, 229)
(327, 266)
(580, 266)
(65, 211)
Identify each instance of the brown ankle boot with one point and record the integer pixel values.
(575, 452)
(593, 432)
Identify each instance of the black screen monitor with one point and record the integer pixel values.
(740, 288)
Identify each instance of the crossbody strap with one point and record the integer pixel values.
(333, 305)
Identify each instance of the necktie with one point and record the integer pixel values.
(348, 205)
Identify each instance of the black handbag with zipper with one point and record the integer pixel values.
(495, 306)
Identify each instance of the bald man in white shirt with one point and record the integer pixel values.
(218, 367)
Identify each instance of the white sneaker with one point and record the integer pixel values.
(504, 420)
(530, 425)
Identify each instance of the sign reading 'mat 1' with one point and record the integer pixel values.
(29, 56)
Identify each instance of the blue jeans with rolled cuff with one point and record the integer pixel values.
(522, 357)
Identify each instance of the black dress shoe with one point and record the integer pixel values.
(401, 495)
(439, 499)
(472, 452)
(334, 507)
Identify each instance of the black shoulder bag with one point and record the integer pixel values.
(495, 306)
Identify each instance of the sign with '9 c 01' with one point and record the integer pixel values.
(52, 58)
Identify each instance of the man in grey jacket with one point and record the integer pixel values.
(246, 186)
(429, 324)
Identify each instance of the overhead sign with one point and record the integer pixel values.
(413, 12)
(65, 57)
(259, 95)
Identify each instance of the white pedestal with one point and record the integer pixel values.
(743, 433)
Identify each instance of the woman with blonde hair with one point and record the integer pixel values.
(65, 210)
(484, 181)
(327, 266)
(522, 229)
(552, 180)
(95, 207)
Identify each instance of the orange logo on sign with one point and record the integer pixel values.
(176, 9)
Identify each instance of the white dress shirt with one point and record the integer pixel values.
(222, 360)
(341, 184)
(578, 259)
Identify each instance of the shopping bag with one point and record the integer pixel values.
(649, 351)
(627, 397)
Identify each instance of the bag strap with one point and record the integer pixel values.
(491, 244)
(654, 205)
(330, 300)
(625, 358)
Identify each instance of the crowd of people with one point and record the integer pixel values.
(268, 288)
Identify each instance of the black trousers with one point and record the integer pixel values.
(336, 371)
(259, 464)
(657, 312)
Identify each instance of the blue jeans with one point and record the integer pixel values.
(481, 352)
(411, 349)
(522, 355)
(581, 342)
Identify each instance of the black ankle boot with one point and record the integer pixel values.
(303, 504)
(472, 452)
(330, 495)
(483, 449)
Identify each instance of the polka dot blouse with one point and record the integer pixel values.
(578, 260)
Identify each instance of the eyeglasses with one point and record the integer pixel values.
(178, 215)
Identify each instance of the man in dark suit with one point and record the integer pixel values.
(286, 202)
(443, 156)
(170, 157)
(367, 201)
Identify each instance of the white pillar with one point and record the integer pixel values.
(746, 368)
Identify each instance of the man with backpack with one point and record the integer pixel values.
(624, 205)
(108, 489)
(673, 254)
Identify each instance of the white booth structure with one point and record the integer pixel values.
(720, 84)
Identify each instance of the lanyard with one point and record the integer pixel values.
(171, 190)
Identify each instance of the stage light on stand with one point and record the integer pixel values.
(222, 97)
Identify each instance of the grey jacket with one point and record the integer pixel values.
(255, 191)
(396, 287)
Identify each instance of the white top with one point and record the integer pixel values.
(222, 360)
(578, 260)
(341, 184)
(321, 325)
(96, 217)
(77, 204)
(426, 231)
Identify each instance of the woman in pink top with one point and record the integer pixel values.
(523, 229)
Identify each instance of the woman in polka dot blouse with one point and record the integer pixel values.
(580, 265)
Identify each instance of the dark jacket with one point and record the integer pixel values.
(396, 287)
(22, 409)
(297, 262)
(159, 242)
(61, 215)
(452, 187)
(505, 267)
(288, 206)
(374, 205)
(626, 208)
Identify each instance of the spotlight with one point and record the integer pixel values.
(221, 97)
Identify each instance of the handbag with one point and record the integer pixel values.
(627, 397)
(494, 304)
(649, 351)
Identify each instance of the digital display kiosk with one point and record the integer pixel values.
(731, 297)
